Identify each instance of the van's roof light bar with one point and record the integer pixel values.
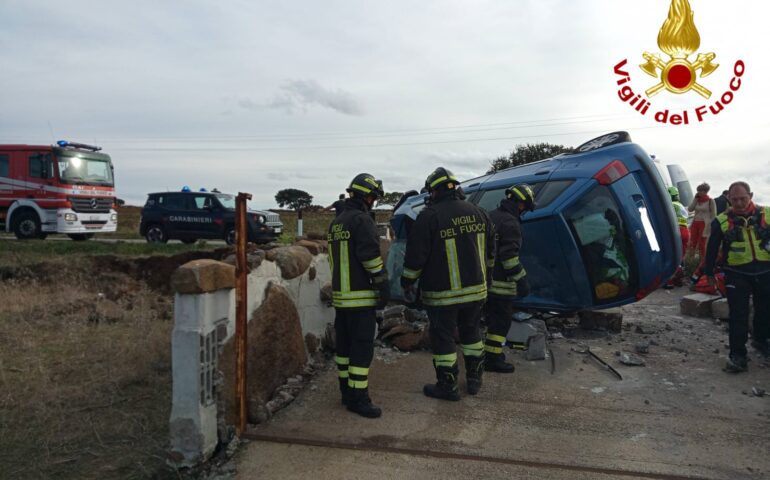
(83, 146)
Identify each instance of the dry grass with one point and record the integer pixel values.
(85, 379)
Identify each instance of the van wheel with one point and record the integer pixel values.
(27, 226)
(230, 236)
(156, 234)
(80, 237)
(189, 241)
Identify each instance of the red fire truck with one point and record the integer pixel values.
(64, 188)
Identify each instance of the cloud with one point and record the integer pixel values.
(299, 95)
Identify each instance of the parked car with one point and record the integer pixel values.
(603, 233)
(189, 216)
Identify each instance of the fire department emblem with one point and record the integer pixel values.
(678, 38)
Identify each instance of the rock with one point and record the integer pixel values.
(412, 315)
(757, 392)
(389, 323)
(720, 310)
(201, 276)
(642, 347)
(253, 259)
(276, 350)
(697, 305)
(536, 347)
(394, 311)
(627, 358)
(645, 330)
(610, 319)
(311, 343)
(326, 293)
(293, 261)
(311, 246)
(412, 341)
(399, 329)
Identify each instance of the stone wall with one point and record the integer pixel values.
(286, 320)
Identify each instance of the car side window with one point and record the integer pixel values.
(174, 202)
(202, 202)
(40, 165)
(545, 193)
(4, 167)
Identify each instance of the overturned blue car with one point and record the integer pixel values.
(603, 233)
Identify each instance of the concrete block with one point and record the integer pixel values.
(610, 319)
(537, 348)
(720, 310)
(697, 305)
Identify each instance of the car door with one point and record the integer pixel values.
(174, 210)
(201, 217)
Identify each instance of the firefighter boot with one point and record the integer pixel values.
(344, 390)
(474, 368)
(446, 386)
(360, 403)
(495, 362)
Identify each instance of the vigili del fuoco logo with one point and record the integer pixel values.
(678, 39)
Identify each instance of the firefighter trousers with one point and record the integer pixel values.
(354, 329)
(444, 321)
(499, 316)
(739, 288)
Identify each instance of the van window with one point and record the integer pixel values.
(545, 193)
(599, 231)
(40, 165)
(4, 168)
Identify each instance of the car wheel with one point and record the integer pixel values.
(80, 237)
(156, 234)
(230, 236)
(189, 241)
(27, 226)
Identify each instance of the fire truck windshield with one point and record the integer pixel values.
(81, 169)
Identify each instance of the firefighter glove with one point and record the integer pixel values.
(380, 282)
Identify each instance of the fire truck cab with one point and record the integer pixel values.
(65, 188)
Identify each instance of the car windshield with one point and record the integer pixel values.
(227, 201)
(607, 251)
(78, 169)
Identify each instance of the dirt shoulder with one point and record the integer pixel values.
(679, 416)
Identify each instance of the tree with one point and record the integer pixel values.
(523, 154)
(293, 198)
(390, 198)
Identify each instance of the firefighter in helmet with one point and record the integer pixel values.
(509, 278)
(448, 250)
(359, 285)
(743, 233)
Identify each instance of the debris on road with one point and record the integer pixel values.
(757, 392)
(627, 358)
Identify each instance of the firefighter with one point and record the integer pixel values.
(509, 279)
(449, 249)
(359, 285)
(744, 236)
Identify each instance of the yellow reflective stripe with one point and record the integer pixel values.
(455, 293)
(511, 262)
(495, 338)
(446, 360)
(473, 349)
(363, 189)
(482, 246)
(342, 360)
(358, 371)
(354, 303)
(331, 260)
(453, 263)
(375, 262)
(491, 349)
(519, 194)
(411, 274)
(344, 267)
(502, 284)
(519, 275)
(441, 179)
(354, 295)
(358, 383)
(343, 374)
(442, 302)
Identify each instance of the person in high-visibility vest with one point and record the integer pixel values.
(359, 285)
(743, 234)
(449, 248)
(681, 218)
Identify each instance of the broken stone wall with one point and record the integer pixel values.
(286, 319)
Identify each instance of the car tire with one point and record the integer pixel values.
(230, 236)
(189, 241)
(27, 226)
(80, 237)
(156, 234)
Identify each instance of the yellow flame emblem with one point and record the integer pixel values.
(679, 38)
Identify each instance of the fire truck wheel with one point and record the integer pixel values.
(156, 234)
(27, 226)
(80, 237)
(230, 236)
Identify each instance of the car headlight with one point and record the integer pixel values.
(260, 219)
(114, 217)
(70, 217)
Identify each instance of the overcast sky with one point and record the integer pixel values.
(257, 96)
